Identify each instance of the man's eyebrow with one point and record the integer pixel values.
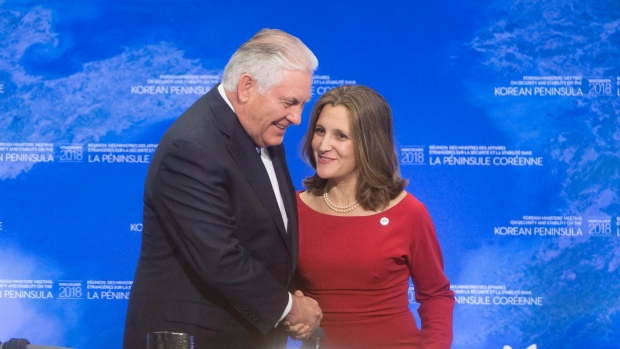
(290, 100)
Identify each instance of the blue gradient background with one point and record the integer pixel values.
(67, 66)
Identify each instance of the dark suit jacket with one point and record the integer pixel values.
(216, 261)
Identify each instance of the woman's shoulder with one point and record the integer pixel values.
(398, 199)
(302, 195)
(410, 203)
(404, 200)
(308, 199)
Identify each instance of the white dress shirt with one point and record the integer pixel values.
(264, 155)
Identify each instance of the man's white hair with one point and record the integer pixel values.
(266, 56)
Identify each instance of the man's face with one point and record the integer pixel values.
(268, 115)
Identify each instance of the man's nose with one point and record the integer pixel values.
(294, 117)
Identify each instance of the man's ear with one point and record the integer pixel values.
(245, 87)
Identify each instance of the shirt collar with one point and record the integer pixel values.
(220, 89)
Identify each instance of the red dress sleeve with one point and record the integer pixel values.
(431, 286)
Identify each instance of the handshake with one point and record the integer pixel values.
(304, 319)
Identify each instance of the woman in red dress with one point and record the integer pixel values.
(362, 236)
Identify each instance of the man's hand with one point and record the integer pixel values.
(304, 317)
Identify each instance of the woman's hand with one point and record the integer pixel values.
(299, 331)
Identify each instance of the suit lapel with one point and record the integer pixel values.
(243, 151)
(287, 190)
(254, 170)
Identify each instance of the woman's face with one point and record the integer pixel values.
(332, 144)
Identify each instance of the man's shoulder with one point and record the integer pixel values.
(205, 115)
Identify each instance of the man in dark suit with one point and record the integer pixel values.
(219, 240)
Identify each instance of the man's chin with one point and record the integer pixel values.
(273, 141)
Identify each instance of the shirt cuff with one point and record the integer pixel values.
(287, 310)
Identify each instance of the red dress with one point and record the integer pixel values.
(358, 269)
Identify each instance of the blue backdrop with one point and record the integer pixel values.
(507, 118)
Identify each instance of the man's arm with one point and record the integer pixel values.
(195, 200)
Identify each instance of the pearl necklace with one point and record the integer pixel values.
(339, 209)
